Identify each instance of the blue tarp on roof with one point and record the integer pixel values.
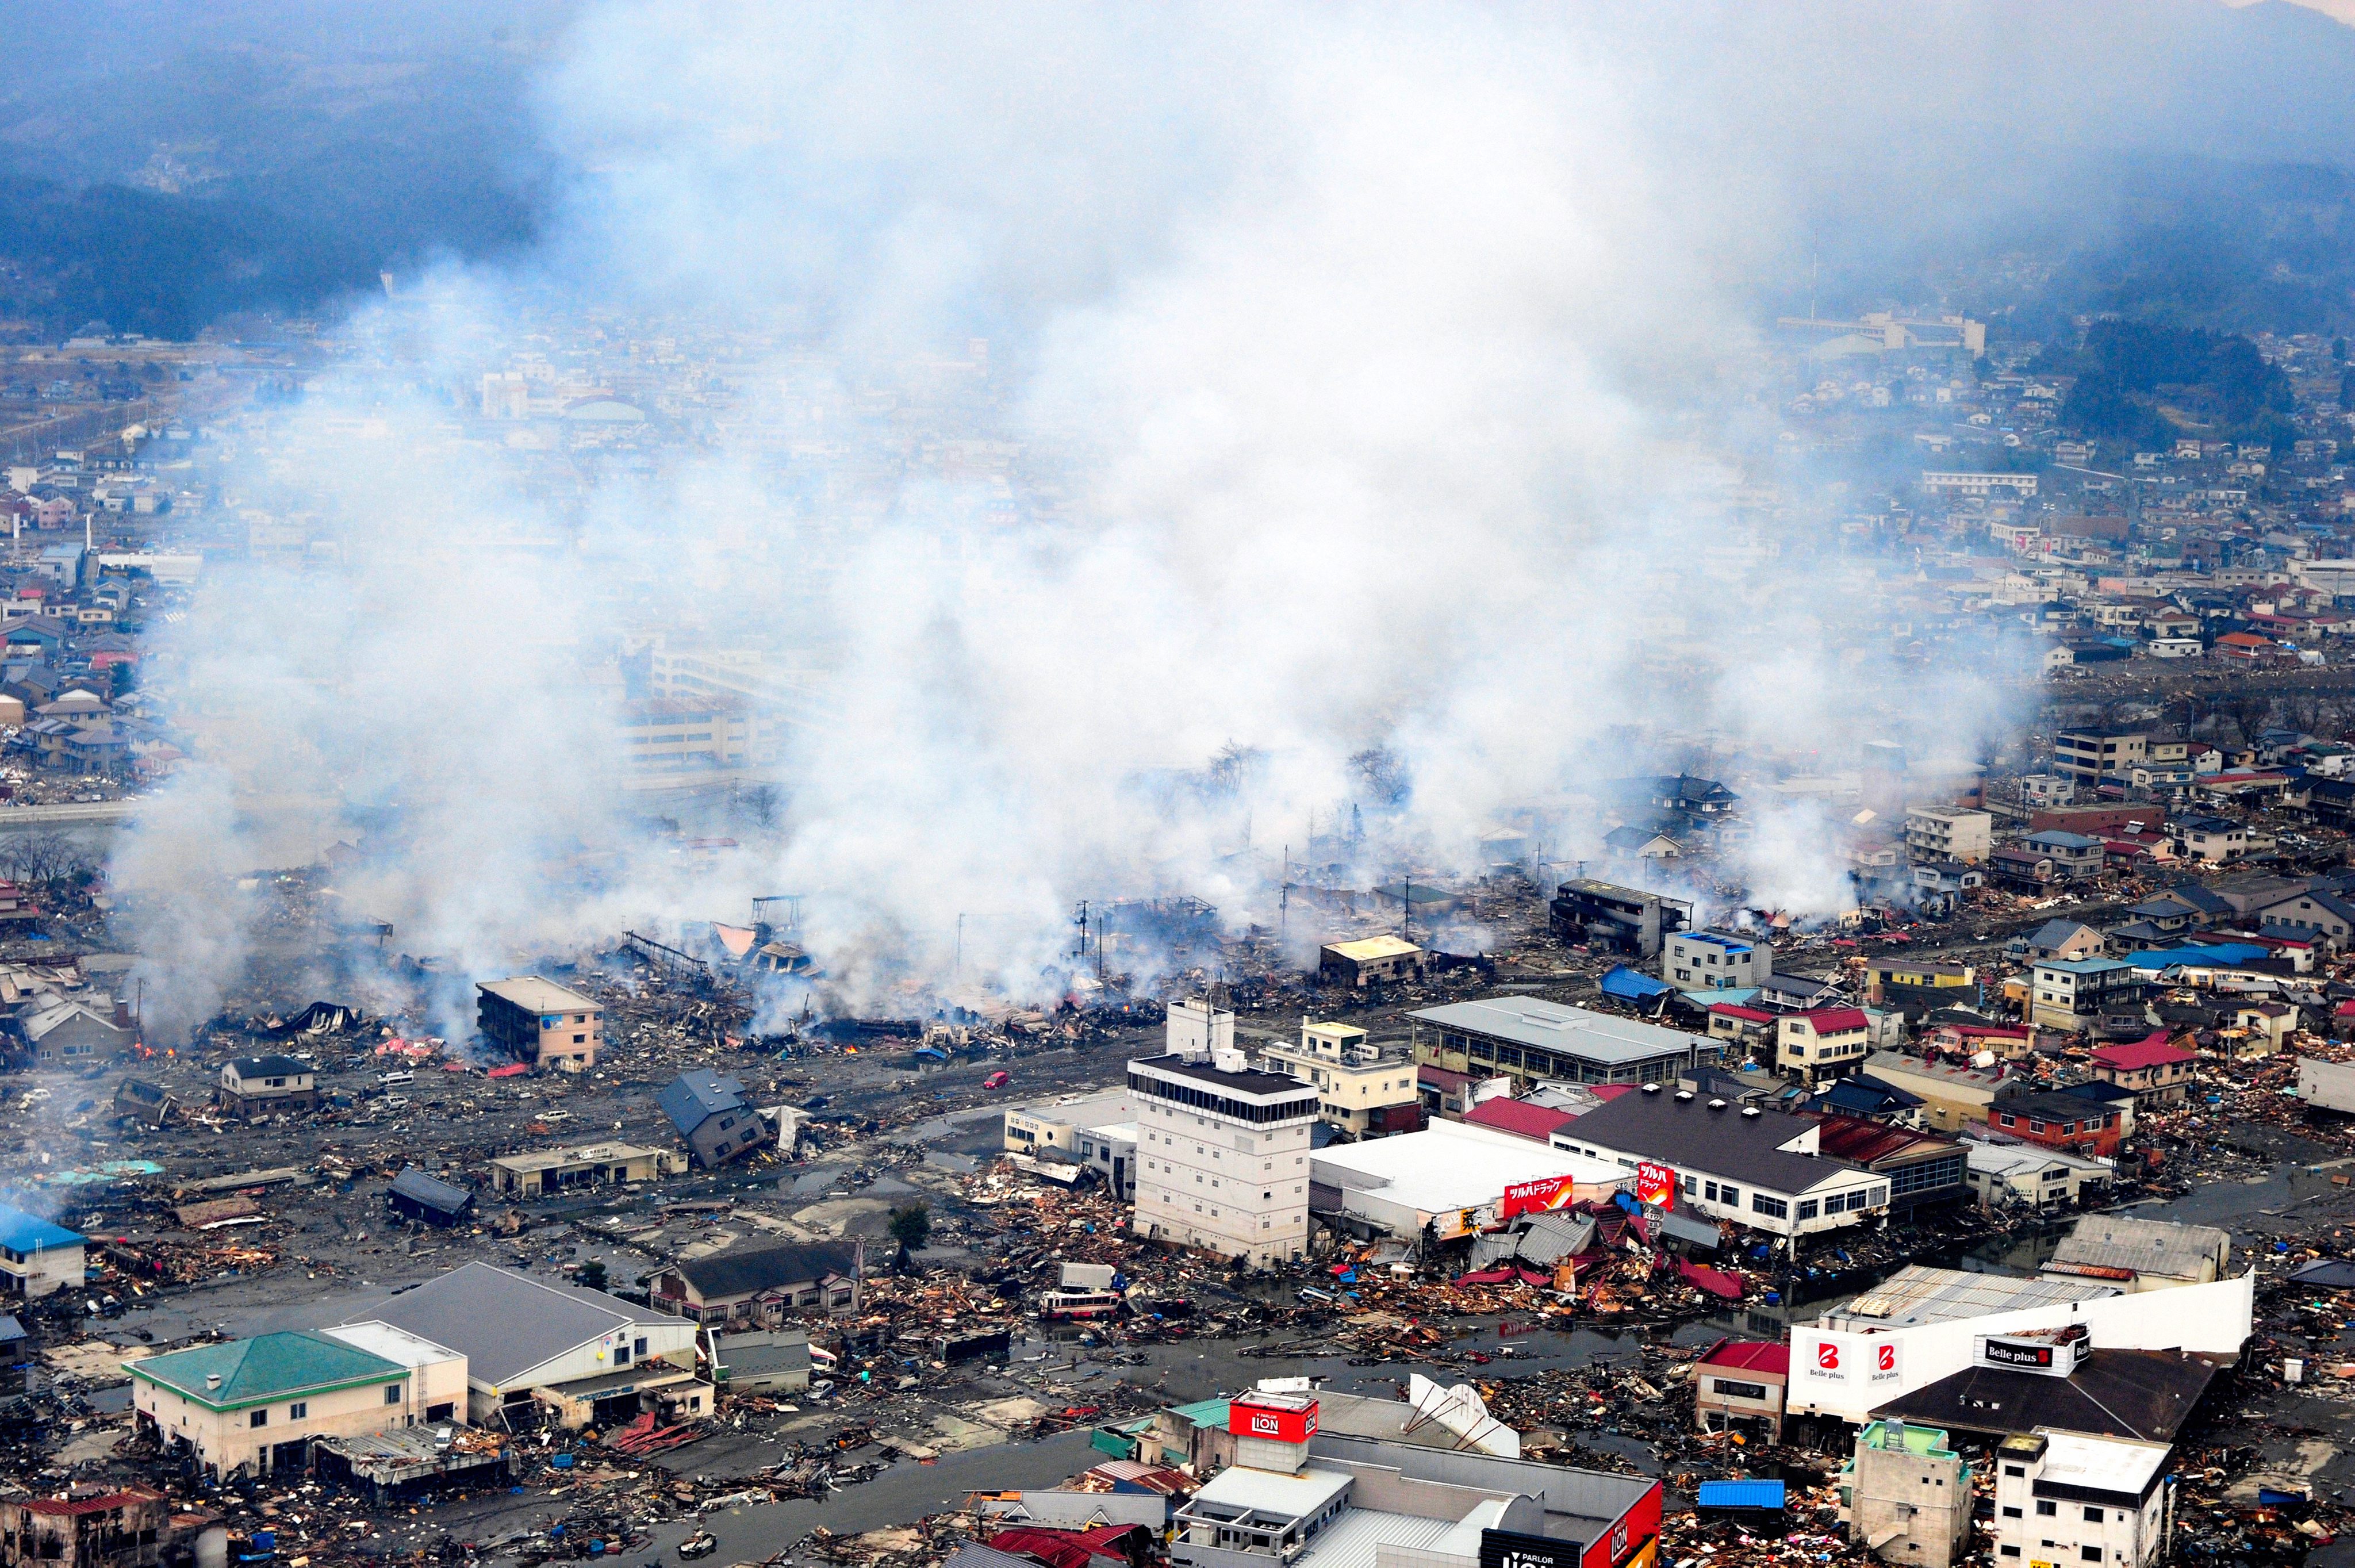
(1632, 983)
(1741, 1494)
(2220, 956)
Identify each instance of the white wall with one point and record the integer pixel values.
(2209, 1320)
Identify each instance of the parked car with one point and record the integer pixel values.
(998, 1080)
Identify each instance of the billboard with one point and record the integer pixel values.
(1277, 1418)
(1655, 1185)
(1630, 1535)
(1529, 1197)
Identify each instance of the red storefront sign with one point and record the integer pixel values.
(1655, 1185)
(1276, 1418)
(1628, 1535)
(1529, 1197)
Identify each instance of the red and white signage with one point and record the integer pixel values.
(1655, 1186)
(1529, 1197)
(1274, 1417)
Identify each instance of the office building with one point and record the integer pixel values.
(1530, 1040)
(1222, 1164)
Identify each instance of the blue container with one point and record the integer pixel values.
(1741, 1494)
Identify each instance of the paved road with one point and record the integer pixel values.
(70, 813)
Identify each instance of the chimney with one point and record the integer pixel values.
(122, 1012)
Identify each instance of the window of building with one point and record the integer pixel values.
(258, 1418)
(1732, 1389)
(392, 1393)
(2089, 1554)
(2046, 1507)
(2012, 1513)
(299, 1409)
(2093, 1516)
(2012, 1551)
(1773, 1208)
(1808, 1208)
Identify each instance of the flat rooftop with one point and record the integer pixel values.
(1532, 1020)
(2100, 1463)
(580, 1154)
(1451, 1166)
(534, 995)
(1247, 1080)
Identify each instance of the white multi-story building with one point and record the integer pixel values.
(2065, 1498)
(1222, 1156)
(1941, 833)
(1716, 961)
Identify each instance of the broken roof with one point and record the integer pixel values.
(740, 1270)
(2145, 1246)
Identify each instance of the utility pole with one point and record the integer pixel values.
(1080, 918)
(1406, 910)
(1284, 894)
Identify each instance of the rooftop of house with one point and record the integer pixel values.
(264, 1368)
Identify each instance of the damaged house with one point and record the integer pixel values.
(712, 1115)
(130, 1529)
(764, 1284)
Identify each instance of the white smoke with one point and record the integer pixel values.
(1378, 379)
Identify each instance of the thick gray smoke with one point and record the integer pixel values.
(1071, 395)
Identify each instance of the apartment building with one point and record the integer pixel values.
(2072, 994)
(1818, 1045)
(1222, 1165)
(1362, 1089)
(1716, 961)
(2090, 756)
(681, 734)
(1940, 833)
(540, 1022)
(2068, 1498)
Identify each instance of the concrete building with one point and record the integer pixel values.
(688, 734)
(1738, 1386)
(1301, 1496)
(1223, 1164)
(251, 1407)
(1362, 1089)
(38, 1258)
(538, 1352)
(1095, 1132)
(1821, 1045)
(2088, 757)
(1948, 833)
(540, 1022)
(1619, 919)
(129, 1528)
(1370, 961)
(1758, 1169)
(1919, 1293)
(1530, 1039)
(2055, 1121)
(2073, 994)
(259, 1086)
(1716, 961)
(1905, 1494)
(584, 1165)
(2067, 1498)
